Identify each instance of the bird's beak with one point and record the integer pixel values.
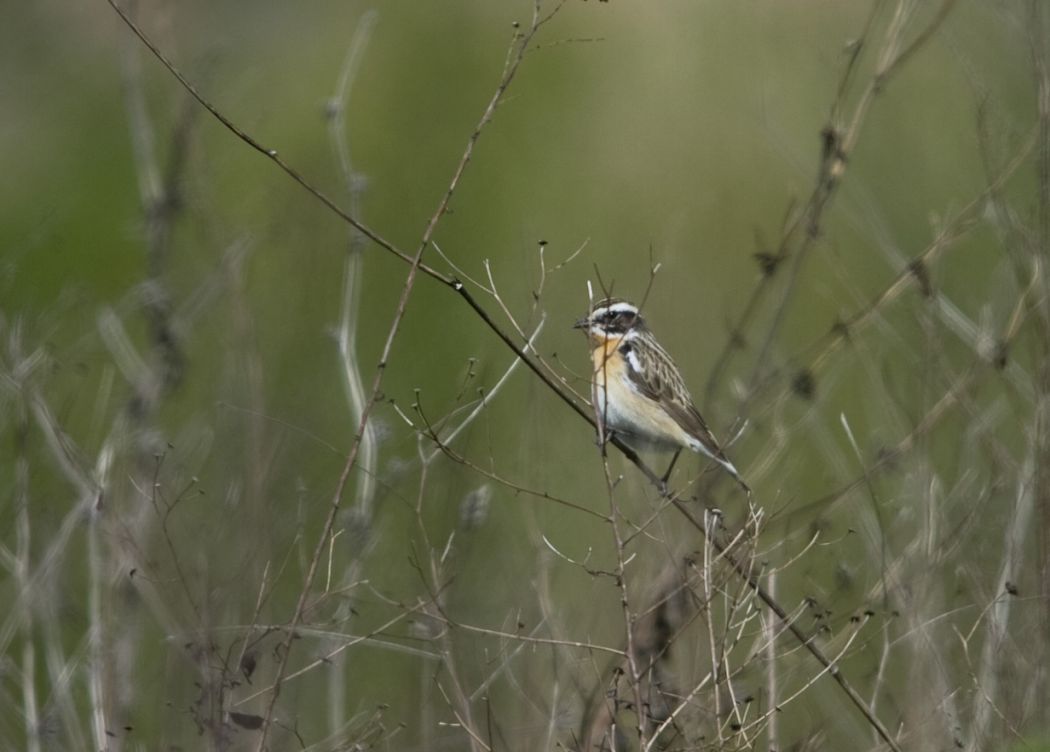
(582, 323)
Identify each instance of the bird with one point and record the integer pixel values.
(638, 392)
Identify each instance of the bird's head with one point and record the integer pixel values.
(609, 318)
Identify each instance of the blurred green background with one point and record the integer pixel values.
(674, 133)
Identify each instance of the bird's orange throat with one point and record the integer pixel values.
(603, 347)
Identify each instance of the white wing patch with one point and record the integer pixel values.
(632, 360)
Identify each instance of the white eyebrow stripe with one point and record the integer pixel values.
(619, 308)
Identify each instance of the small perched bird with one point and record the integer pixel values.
(639, 394)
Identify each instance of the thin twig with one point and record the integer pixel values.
(805, 640)
(508, 340)
(521, 44)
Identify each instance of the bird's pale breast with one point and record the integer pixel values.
(624, 409)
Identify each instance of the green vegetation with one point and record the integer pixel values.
(838, 218)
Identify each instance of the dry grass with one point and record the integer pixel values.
(895, 595)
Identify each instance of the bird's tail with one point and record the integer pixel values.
(731, 469)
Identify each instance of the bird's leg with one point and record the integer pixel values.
(667, 475)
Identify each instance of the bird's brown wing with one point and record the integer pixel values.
(653, 373)
(641, 369)
(693, 423)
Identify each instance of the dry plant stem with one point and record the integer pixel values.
(346, 645)
(117, 631)
(22, 566)
(550, 612)
(31, 595)
(543, 495)
(880, 674)
(486, 399)
(752, 580)
(475, 739)
(982, 696)
(347, 338)
(954, 395)
(521, 44)
(334, 505)
(269, 153)
(634, 675)
(838, 147)
(1039, 28)
(508, 340)
(505, 668)
(97, 659)
(800, 691)
(450, 282)
(659, 628)
(459, 703)
(430, 432)
(773, 724)
(712, 676)
(540, 365)
(912, 274)
(716, 663)
(575, 644)
(732, 634)
(246, 351)
(915, 272)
